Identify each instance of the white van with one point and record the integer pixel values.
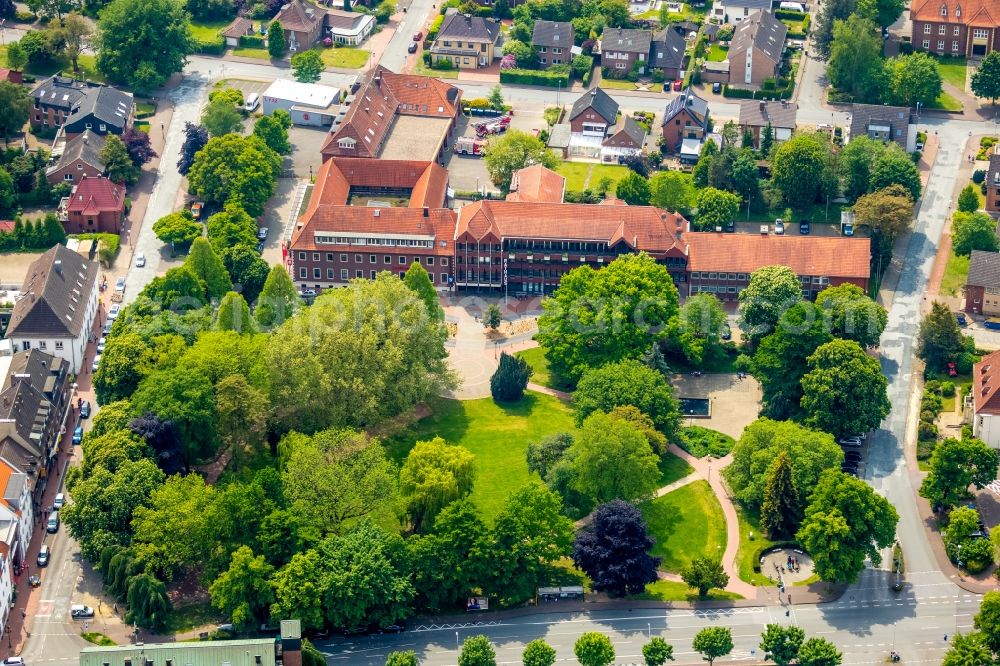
(793, 6)
(253, 101)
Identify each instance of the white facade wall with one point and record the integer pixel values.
(70, 349)
(987, 428)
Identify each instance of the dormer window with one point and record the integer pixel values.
(958, 11)
(347, 144)
(944, 10)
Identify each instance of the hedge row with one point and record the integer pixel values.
(743, 93)
(535, 77)
(252, 42)
(790, 15)
(432, 32)
(216, 46)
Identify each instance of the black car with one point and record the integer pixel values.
(716, 87)
(412, 48)
(804, 228)
(852, 456)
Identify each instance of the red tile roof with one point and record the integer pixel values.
(982, 13)
(814, 255)
(643, 228)
(986, 383)
(384, 95)
(238, 28)
(298, 16)
(10, 75)
(95, 195)
(438, 223)
(7, 226)
(537, 184)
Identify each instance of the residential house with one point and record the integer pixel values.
(982, 285)
(241, 27)
(57, 306)
(305, 24)
(625, 139)
(76, 106)
(884, 123)
(721, 263)
(666, 53)
(986, 400)
(950, 27)
(756, 115)
(756, 50)
(734, 11)
(96, 205)
(625, 49)
(468, 42)
(285, 649)
(993, 184)
(685, 123)
(553, 41)
(594, 113)
(396, 116)
(77, 158)
(537, 184)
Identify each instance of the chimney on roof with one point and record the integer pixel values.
(377, 212)
(427, 211)
(763, 106)
(593, 93)
(58, 265)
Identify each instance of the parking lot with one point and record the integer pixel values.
(468, 173)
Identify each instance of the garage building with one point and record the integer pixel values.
(308, 103)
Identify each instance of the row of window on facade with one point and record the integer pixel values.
(385, 242)
(373, 258)
(744, 277)
(42, 345)
(345, 275)
(472, 45)
(570, 246)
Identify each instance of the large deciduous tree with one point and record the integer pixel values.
(672, 190)
(231, 226)
(973, 231)
(856, 161)
(307, 66)
(987, 620)
(241, 416)
(852, 314)
(15, 107)
(939, 340)
(716, 208)
(968, 649)
(829, 13)
(188, 401)
(613, 550)
(417, 279)
(703, 574)
(594, 649)
(845, 523)
(986, 79)
(195, 138)
(447, 564)
(612, 459)
(894, 167)
(138, 146)
(247, 270)
(781, 644)
(538, 653)
(221, 117)
(142, 42)
(273, 131)
(772, 290)
(913, 78)
(117, 161)
(627, 382)
(433, 476)
(477, 651)
(125, 362)
(179, 229)
(799, 170)
(235, 168)
(513, 151)
(713, 642)
(955, 465)
(657, 652)
(243, 592)
(819, 652)
(844, 390)
(633, 189)
(602, 316)
(856, 65)
(810, 453)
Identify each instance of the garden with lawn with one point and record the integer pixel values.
(87, 66)
(668, 590)
(345, 57)
(952, 70)
(585, 175)
(497, 435)
(686, 523)
(541, 374)
(673, 468)
(717, 53)
(752, 542)
(946, 102)
(246, 52)
(700, 442)
(956, 270)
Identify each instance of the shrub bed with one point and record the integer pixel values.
(216, 46)
(252, 42)
(701, 442)
(108, 246)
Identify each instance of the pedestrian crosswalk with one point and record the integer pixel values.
(994, 486)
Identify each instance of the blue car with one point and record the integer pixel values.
(78, 435)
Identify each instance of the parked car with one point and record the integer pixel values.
(196, 209)
(78, 435)
(52, 526)
(412, 48)
(849, 441)
(952, 369)
(113, 311)
(853, 456)
(418, 35)
(727, 333)
(59, 501)
(107, 329)
(42, 559)
(34, 580)
(101, 344)
(14, 661)
(262, 233)
(308, 292)
(260, 247)
(717, 87)
(96, 363)
(804, 227)
(79, 610)
(120, 284)
(85, 409)
(779, 226)
(140, 260)
(252, 102)
(394, 629)
(678, 84)
(961, 319)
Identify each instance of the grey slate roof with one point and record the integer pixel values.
(469, 28)
(109, 105)
(756, 113)
(85, 147)
(626, 40)
(667, 50)
(686, 100)
(598, 100)
(764, 5)
(631, 128)
(896, 117)
(53, 302)
(35, 366)
(60, 92)
(984, 269)
(20, 407)
(552, 34)
(762, 32)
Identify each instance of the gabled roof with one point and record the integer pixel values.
(631, 128)
(469, 28)
(748, 4)
(20, 407)
(625, 40)
(338, 18)
(54, 296)
(96, 195)
(986, 383)
(642, 228)
(690, 102)
(758, 113)
(982, 13)
(895, 117)
(984, 269)
(84, 147)
(667, 50)
(762, 32)
(60, 91)
(537, 184)
(108, 105)
(993, 172)
(299, 16)
(599, 101)
(36, 367)
(238, 28)
(829, 256)
(552, 34)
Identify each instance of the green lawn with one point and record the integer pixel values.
(617, 84)
(424, 70)
(716, 53)
(86, 63)
(794, 26)
(673, 468)
(497, 435)
(955, 273)
(747, 553)
(952, 70)
(542, 374)
(687, 523)
(946, 102)
(345, 57)
(700, 442)
(576, 174)
(207, 31)
(668, 590)
(187, 617)
(259, 54)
